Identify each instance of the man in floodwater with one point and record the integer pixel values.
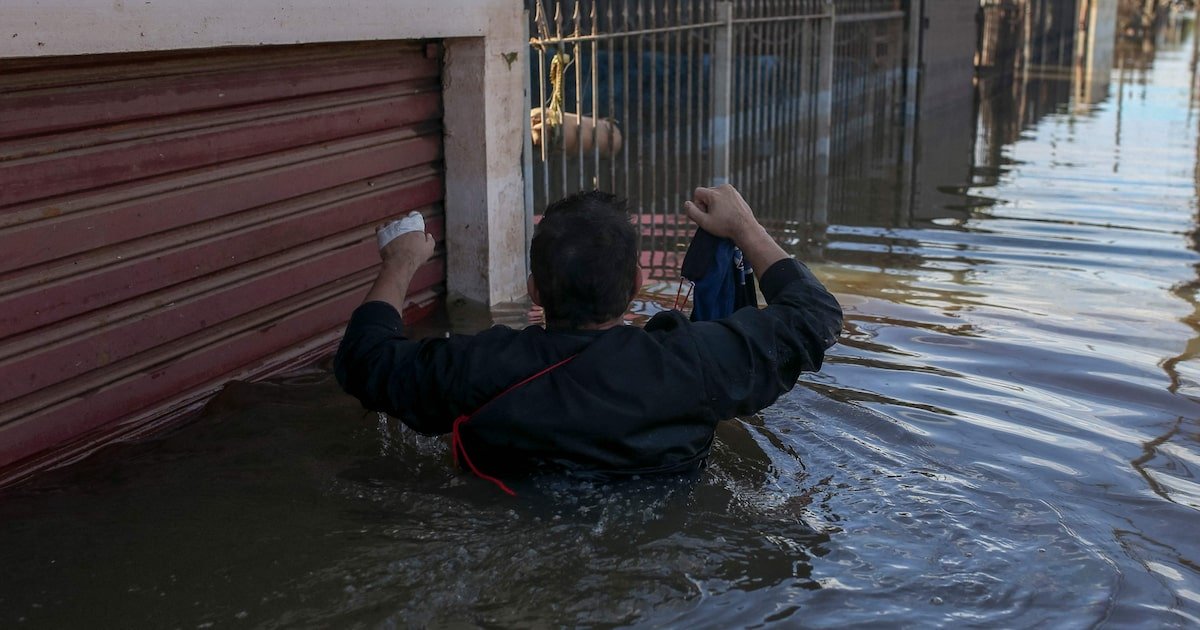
(588, 394)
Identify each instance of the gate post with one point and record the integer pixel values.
(484, 130)
(722, 93)
(915, 34)
(912, 65)
(825, 66)
(527, 145)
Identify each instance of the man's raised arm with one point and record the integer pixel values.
(757, 354)
(376, 364)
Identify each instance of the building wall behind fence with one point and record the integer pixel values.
(947, 108)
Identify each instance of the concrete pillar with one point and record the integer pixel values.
(485, 118)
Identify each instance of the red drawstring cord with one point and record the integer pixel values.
(456, 443)
(677, 306)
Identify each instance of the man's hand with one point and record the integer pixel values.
(722, 212)
(408, 251)
(401, 259)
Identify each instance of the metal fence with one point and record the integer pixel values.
(650, 98)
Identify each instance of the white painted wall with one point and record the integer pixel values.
(484, 89)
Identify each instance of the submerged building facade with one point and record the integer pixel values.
(188, 193)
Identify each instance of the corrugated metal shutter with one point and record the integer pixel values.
(171, 221)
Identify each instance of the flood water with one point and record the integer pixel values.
(1007, 435)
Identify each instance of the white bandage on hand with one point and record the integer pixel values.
(414, 222)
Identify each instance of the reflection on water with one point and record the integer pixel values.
(1046, 326)
(1006, 436)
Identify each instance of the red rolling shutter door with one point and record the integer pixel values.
(172, 221)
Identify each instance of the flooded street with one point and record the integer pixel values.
(1007, 435)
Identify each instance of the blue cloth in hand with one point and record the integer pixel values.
(723, 283)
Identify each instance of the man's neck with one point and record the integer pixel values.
(612, 323)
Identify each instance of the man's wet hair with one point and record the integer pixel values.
(584, 258)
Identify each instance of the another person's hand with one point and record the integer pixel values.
(722, 212)
(536, 315)
(408, 251)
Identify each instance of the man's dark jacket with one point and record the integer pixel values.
(632, 401)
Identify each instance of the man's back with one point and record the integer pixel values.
(627, 400)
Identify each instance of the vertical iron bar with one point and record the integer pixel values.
(811, 94)
(658, 100)
(784, 150)
(767, 98)
(722, 89)
(738, 93)
(741, 92)
(863, 94)
(641, 133)
(803, 133)
(814, 104)
(753, 177)
(760, 101)
(709, 86)
(706, 92)
(790, 116)
(668, 157)
(689, 115)
(581, 165)
(870, 87)
(879, 89)
(677, 66)
(767, 102)
(545, 162)
(776, 43)
(1026, 57)
(913, 58)
(562, 150)
(612, 100)
(852, 100)
(654, 111)
(595, 183)
(705, 44)
(749, 49)
(627, 119)
(787, 114)
(824, 116)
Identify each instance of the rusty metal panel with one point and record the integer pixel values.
(171, 221)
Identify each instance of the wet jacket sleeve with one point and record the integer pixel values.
(755, 355)
(404, 378)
